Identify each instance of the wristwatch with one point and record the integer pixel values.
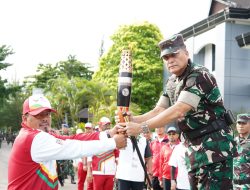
(145, 128)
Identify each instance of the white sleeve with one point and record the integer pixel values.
(46, 147)
(189, 98)
(163, 102)
(174, 157)
(103, 135)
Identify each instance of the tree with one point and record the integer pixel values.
(147, 65)
(74, 68)
(4, 52)
(77, 93)
(58, 84)
(10, 111)
(10, 95)
(69, 68)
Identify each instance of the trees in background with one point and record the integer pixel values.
(71, 86)
(5, 51)
(71, 96)
(11, 109)
(11, 97)
(62, 83)
(147, 84)
(69, 68)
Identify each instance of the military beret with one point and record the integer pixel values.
(171, 45)
(244, 117)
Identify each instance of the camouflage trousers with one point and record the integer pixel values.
(69, 168)
(216, 176)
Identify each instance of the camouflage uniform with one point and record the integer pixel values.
(70, 170)
(242, 162)
(67, 165)
(209, 157)
(67, 168)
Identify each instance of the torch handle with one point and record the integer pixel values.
(135, 145)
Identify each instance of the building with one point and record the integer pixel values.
(84, 115)
(220, 42)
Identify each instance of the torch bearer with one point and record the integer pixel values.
(123, 98)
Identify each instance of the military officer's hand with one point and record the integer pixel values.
(131, 129)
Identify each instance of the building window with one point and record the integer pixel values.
(213, 57)
(199, 58)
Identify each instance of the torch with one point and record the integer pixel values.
(123, 99)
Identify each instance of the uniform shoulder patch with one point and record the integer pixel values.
(190, 81)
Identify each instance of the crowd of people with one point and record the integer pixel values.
(8, 136)
(195, 146)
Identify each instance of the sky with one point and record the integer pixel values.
(48, 31)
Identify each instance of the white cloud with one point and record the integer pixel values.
(47, 31)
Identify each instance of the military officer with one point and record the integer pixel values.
(193, 99)
(242, 161)
(67, 165)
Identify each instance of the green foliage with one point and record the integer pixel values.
(142, 39)
(61, 85)
(10, 96)
(74, 68)
(77, 93)
(70, 87)
(70, 68)
(10, 110)
(4, 52)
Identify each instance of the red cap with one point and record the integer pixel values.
(36, 104)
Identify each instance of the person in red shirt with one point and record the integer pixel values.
(104, 164)
(32, 161)
(155, 147)
(165, 154)
(82, 167)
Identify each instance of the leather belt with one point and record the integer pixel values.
(242, 181)
(201, 131)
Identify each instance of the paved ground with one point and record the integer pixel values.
(4, 156)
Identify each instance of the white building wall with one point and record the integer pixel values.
(214, 36)
(232, 63)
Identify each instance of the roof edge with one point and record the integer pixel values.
(228, 14)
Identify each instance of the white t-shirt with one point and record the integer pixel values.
(177, 160)
(129, 167)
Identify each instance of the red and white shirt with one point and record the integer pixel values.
(165, 168)
(32, 162)
(155, 147)
(104, 163)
